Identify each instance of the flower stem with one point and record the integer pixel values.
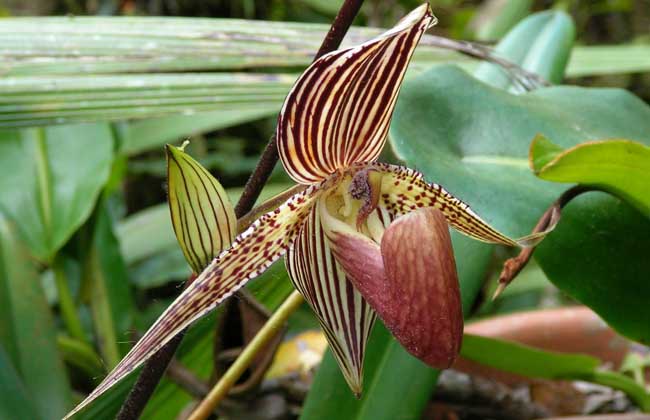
(155, 367)
(237, 369)
(623, 383)
(66, 302)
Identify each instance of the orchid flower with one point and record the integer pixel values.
(361, 238)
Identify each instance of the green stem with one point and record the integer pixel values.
(81, 355)
(237, 369)
(626, 384)
(66, 302)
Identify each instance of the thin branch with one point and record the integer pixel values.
(269, 158)
(513, 266)
(259, 342)
(522, 77)
(155, 367)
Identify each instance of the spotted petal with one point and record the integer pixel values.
(252, 252)
(404, 190)
(344, 315)
(339, 110)
(203, 218)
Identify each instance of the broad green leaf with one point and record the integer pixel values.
(107, 288)
(542, 151)
(50, 179)
(27, 331)
(598, 255)
(388, 366)
(541, 43)
(16, 401)
(474, 139)
(618, 166)
(526, 361)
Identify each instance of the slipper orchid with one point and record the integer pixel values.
(362, 238)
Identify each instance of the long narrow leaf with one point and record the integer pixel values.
(27, 329)
(63, 45)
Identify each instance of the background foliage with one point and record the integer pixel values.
(87, 252)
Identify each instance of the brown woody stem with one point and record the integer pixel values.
(155, 367)
(513, 266)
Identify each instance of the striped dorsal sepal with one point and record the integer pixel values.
(339, 110)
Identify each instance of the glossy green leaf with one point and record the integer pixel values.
(598, 255)
(619, 166)
(388, 366)
(27, 331)
(107, 288)
(542, 151)
(48, 189)
(473, 139)
(541, 43)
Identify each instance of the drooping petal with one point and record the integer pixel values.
(410, 281)
(345, 317)
(404, 190)
(203, 218)
(252, 252)
(339, 110)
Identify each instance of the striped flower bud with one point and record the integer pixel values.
(203, 217)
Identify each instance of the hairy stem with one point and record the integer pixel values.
(155, 367)
(237, 369)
